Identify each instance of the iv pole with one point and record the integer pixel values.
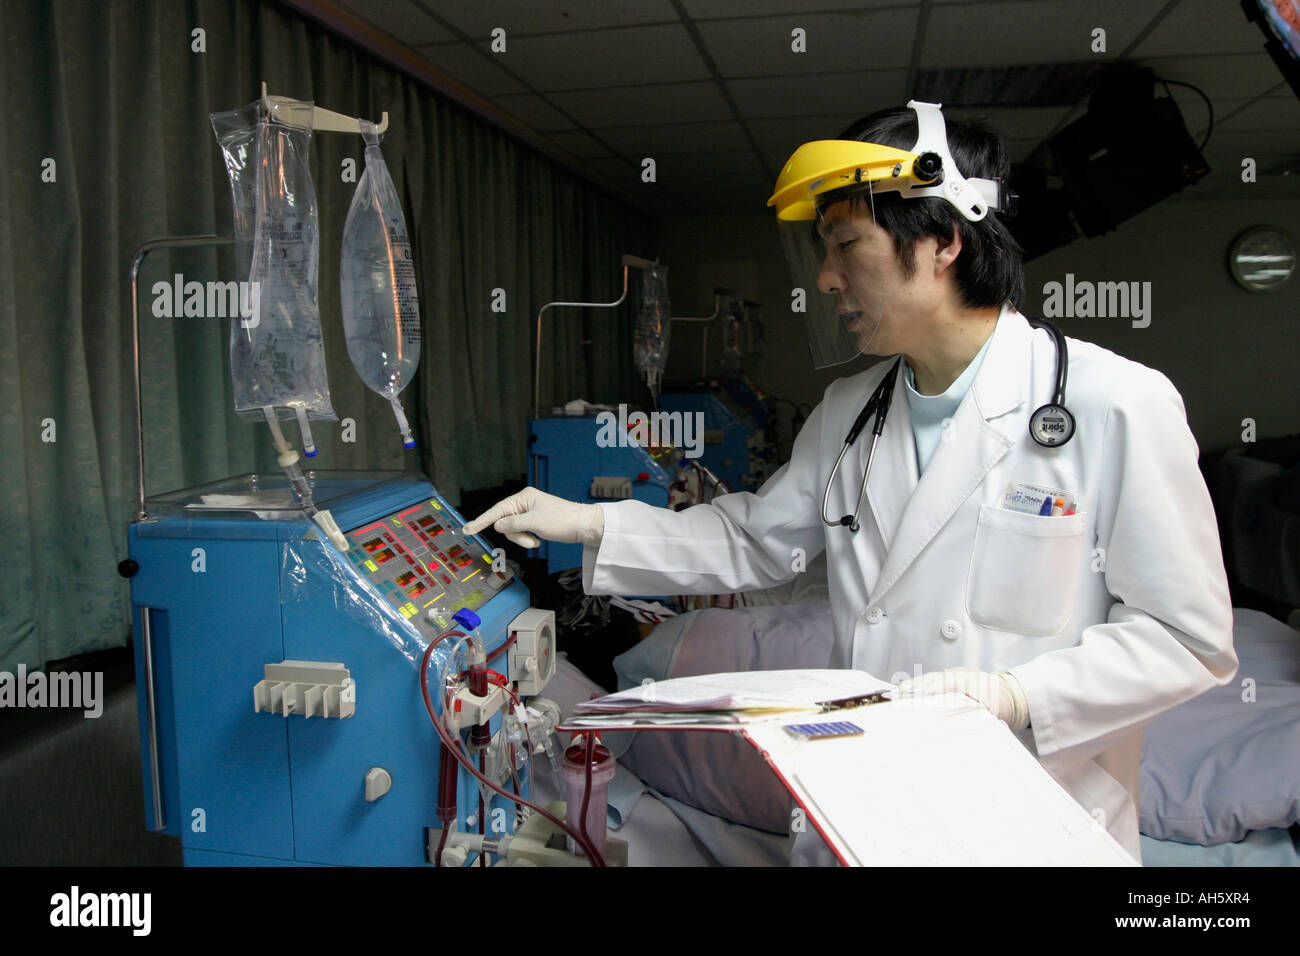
(628, 260)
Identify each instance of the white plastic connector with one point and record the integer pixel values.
(467, 710)
(327, 524)
(611, 487)
(454, 856)
(308, 688)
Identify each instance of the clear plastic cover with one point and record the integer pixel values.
(837, 260)
(313, 571)
(653, 326)
(277, 354)
(381, 309)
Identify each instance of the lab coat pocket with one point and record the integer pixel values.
(1024, 571)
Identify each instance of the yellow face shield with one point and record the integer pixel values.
(823, 187)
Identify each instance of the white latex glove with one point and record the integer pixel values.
(1001, 693)
(545, 516)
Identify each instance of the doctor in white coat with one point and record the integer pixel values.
(1076, 628)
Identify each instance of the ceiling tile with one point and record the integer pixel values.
(678, 102)
(606, 58)
(1018, 122)
(1224, 182)
(854, 93)
(1235, 144)
(726, 167)
(578, 144)
(1226, 75)
(481, 17)
(1031, 31)
(1269, 113)
(866, 40)
(533, 111)
(404, 19)
(777, 158)
(790, 132)
(1195, 116)
(625, 177)
(741, 202)
(712, 9)
(646, 140)
(1019, 150)
(469, 67)
(1202, 26)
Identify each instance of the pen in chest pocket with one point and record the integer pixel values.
(1032, 499)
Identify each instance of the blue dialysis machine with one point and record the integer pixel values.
(328, 670)
(281, 713)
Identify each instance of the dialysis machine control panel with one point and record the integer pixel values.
(421, 563)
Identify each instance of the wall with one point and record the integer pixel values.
(1232, 354)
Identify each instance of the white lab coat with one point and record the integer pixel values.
(1107, 618)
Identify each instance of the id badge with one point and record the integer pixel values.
(1028, 498)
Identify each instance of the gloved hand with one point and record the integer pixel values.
(1001, 693)
(546, 516)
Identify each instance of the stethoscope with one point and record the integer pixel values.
(1051, 425)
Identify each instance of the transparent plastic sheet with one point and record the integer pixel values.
(653, 326)
(830, 258)
(236, 132)
(277, 355)
(380, 305)
(313, 571)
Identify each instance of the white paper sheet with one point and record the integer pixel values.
(748, 690)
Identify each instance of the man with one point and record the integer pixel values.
(1058, 561)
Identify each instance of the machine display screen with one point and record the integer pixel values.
(418, 559)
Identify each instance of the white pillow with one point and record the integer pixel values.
(1224, 764)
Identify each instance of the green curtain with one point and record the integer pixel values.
(110, 102)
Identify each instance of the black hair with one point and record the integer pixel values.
(990, 268)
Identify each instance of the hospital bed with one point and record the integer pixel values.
(1220, 775)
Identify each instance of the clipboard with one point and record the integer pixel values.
(930, 781)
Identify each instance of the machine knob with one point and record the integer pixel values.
(128, 568)
(378, 782)
(530, 665)
(927, 167)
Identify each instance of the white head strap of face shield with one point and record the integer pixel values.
(973, 198)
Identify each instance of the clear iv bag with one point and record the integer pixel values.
(277, 353)
(381, 310)
(653, 324)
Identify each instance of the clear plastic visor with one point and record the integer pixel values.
(828, 262)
